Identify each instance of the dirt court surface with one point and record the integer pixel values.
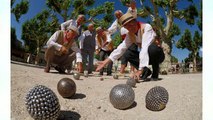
(91, 101)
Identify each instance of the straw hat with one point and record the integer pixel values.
(124, 19)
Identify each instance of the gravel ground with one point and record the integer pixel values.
(91, 101)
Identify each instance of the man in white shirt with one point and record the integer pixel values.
(77, 23)
(144, 36)
(87, 45)
(60, 50)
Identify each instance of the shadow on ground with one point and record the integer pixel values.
(69, 115)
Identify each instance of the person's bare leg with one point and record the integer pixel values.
(132, 69)
(122, 70)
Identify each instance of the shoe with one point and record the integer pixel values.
(109, 74)
(146, 73)
(47, 69)
(90, 73)
(154, 79)
(60, 70)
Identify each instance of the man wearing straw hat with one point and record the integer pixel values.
(143, 35)
(60, 50)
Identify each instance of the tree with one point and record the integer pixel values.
(20, 9)
(106, 10)
(165, 26)
(62, 7)
(193, 45)
(13, 37)
(83, 7)
(35, 32)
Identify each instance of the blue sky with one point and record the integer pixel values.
(37, 6)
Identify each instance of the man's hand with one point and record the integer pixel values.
(136, 75)
(80, 67)
(101, 64)
(64, 50)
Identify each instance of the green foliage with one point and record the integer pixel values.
(174, 59)
(125, 2)
(117, 39)
(20, 9)
(13, 34)
(35, 31)
(199, 22)
(190, 13)
(185, 41)
(162, 3)
(190, 58)
(197, 40)
(106, 10)
(12, 2)
(175, 30)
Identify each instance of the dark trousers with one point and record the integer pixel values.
(156, 56)
(129, 54)
(85, 55)
(62, 61)
(103, 55)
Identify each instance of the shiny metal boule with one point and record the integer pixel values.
(122, 96)
(115, 76)
(157, 98)
(66, 87)
(76, 76)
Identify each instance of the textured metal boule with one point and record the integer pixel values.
(42, 103)
(115, 76)
(76, 76)
(131, 82)
(122, 96)
(157, 98)
(66, 87)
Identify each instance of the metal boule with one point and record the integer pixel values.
(37, 104)
(122, 96)
(157, 98)
(66, 87)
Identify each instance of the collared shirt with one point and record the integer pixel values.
(67, 23)
(145, 40)
(74, 47)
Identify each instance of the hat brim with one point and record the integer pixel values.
(127, 21)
